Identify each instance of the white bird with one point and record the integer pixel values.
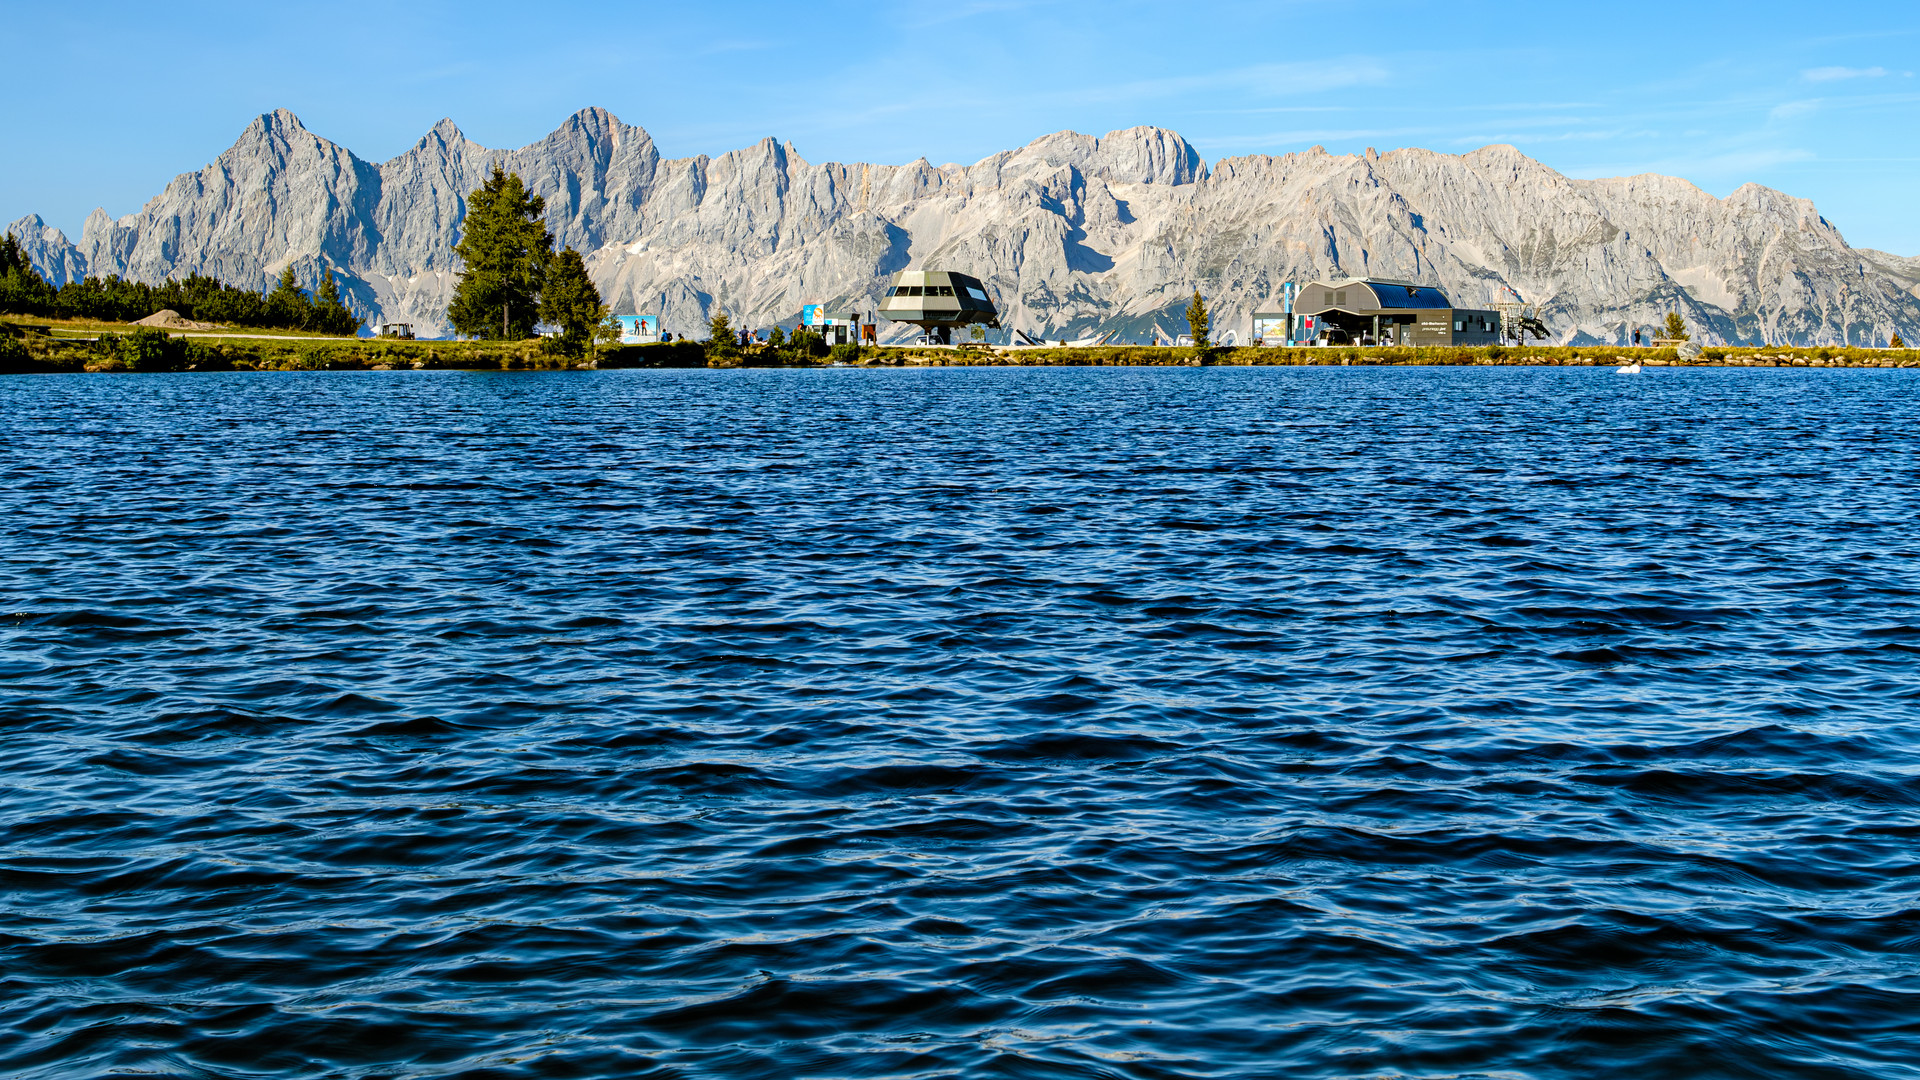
(1628, 369)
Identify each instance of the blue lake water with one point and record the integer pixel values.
(1091, 723)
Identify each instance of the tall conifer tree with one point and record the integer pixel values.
(570, 302)
(287, 306)
(505, 250)
(331, 315)
(1197, 321)
(21, 287)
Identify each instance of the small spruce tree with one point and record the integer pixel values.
(569, 301)
(330, 314)
(1676, 328)
(1897, 343)
(12, 257)
(287, 306)
(722, 339)
(1197, 321)
(22, 289)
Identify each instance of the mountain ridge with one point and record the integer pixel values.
(1072, 231)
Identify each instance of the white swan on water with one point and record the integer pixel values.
(1632, 368)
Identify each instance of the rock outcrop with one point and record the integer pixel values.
(1072, 232)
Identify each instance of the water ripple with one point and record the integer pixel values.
(1031, 723)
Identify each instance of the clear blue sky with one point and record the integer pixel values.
(106, 102)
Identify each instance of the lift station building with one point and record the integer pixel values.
(938, 301)
(1377, 311)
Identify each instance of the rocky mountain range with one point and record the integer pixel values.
(1071, 232)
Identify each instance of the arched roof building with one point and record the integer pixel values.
(1379, 311)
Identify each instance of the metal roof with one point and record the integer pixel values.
(1391, 295)
(1396, 295)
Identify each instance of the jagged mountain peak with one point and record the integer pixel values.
(279, 127)
(595, 119)
(1074, 231)
(1137, 155)
(590, 126)
(280, 119)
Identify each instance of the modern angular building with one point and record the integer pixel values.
(1378, 311)
(937, 301)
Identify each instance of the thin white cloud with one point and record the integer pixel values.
(1834, 74)
(1516, 138)
(1729, 163)
(1792, 110)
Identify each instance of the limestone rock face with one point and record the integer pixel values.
(49, 250)
(1072, 232)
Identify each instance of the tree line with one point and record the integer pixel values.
(198, 297)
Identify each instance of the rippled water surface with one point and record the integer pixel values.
(1096, 723)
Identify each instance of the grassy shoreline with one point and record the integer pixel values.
(1417, 356)
(41, 352)
(72, 328)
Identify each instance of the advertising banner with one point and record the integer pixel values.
(639, 329)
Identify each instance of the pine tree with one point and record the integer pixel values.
(1676, 328)
(1197, 322)
(570, 302)
(721, 337)
(22, 289)
(331, 315)
(11, 255)
(504, 250)
(287, 306)
(1897, 343)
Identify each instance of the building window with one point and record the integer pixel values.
(1342, 298)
